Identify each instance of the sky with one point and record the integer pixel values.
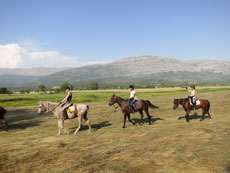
(72, 33)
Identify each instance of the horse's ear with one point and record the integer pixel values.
(113, 95)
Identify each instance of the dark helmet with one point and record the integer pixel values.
(67, 88)
(193, 86)
(131, 86)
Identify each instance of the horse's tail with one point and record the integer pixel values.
(151, 105)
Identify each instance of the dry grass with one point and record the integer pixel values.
(168, 145)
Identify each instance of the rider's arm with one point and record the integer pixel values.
(65, 99)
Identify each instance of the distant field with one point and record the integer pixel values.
(95, 96)
(170, 144)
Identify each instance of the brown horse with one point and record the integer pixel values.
(204, 105)
(140, 105)
(2, 113)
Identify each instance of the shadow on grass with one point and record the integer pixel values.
(101, 125)
(19, 115)
(23, 125)
(94, 126)
(146, 120)
(194, 116)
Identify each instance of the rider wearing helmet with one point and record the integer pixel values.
(66, 102)
(132, 98)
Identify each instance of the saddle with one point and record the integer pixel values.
(72, 109)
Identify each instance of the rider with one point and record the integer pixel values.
(193, 96)
(132, 98)
(66, 102)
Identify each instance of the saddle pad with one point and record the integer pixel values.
(197, 102)
(71, 109)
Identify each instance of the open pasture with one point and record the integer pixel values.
(170, 144)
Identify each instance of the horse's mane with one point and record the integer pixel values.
(122, 98)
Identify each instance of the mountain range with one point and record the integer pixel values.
(139, 70)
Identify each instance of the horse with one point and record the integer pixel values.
(2, 113)
(56, 109)
(140, 105)
(204, 105)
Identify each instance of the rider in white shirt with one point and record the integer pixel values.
(132, 98)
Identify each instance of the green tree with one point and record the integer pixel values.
(42, 88)
(28, 90)
(4, 90)
(64, 86)
(93, 85)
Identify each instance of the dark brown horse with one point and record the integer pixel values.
(140, 105)
(2, 113)
(204, 105)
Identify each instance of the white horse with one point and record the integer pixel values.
(56, 109)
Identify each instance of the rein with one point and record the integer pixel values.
(53, 108)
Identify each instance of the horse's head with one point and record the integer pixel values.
(113, 100)
(176, 103)
(41, 109)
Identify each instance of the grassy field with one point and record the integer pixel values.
(86, 96)
(170, 144)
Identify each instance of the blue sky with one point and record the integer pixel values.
(88, 31)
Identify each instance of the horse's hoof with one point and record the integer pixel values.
(123, 127)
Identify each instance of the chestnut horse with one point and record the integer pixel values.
(204, 105)
(140, 105)
(2, 113)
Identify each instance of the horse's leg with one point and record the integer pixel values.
(210, 118)
(60, 126)
(141, 113)
(147, 112)
(207, 111)
(88, 123)
(187, 115)
(5, 122)
(124, 120)
(130, 119)
(80, 122)
(203, 113)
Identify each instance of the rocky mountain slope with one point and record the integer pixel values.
(140, 69)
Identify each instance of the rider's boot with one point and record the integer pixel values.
(194, 106)
(132, 109)
(65, 116)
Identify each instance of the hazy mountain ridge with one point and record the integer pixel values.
(139, 69)
(144, 68)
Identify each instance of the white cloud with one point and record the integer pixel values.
(15, 56)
